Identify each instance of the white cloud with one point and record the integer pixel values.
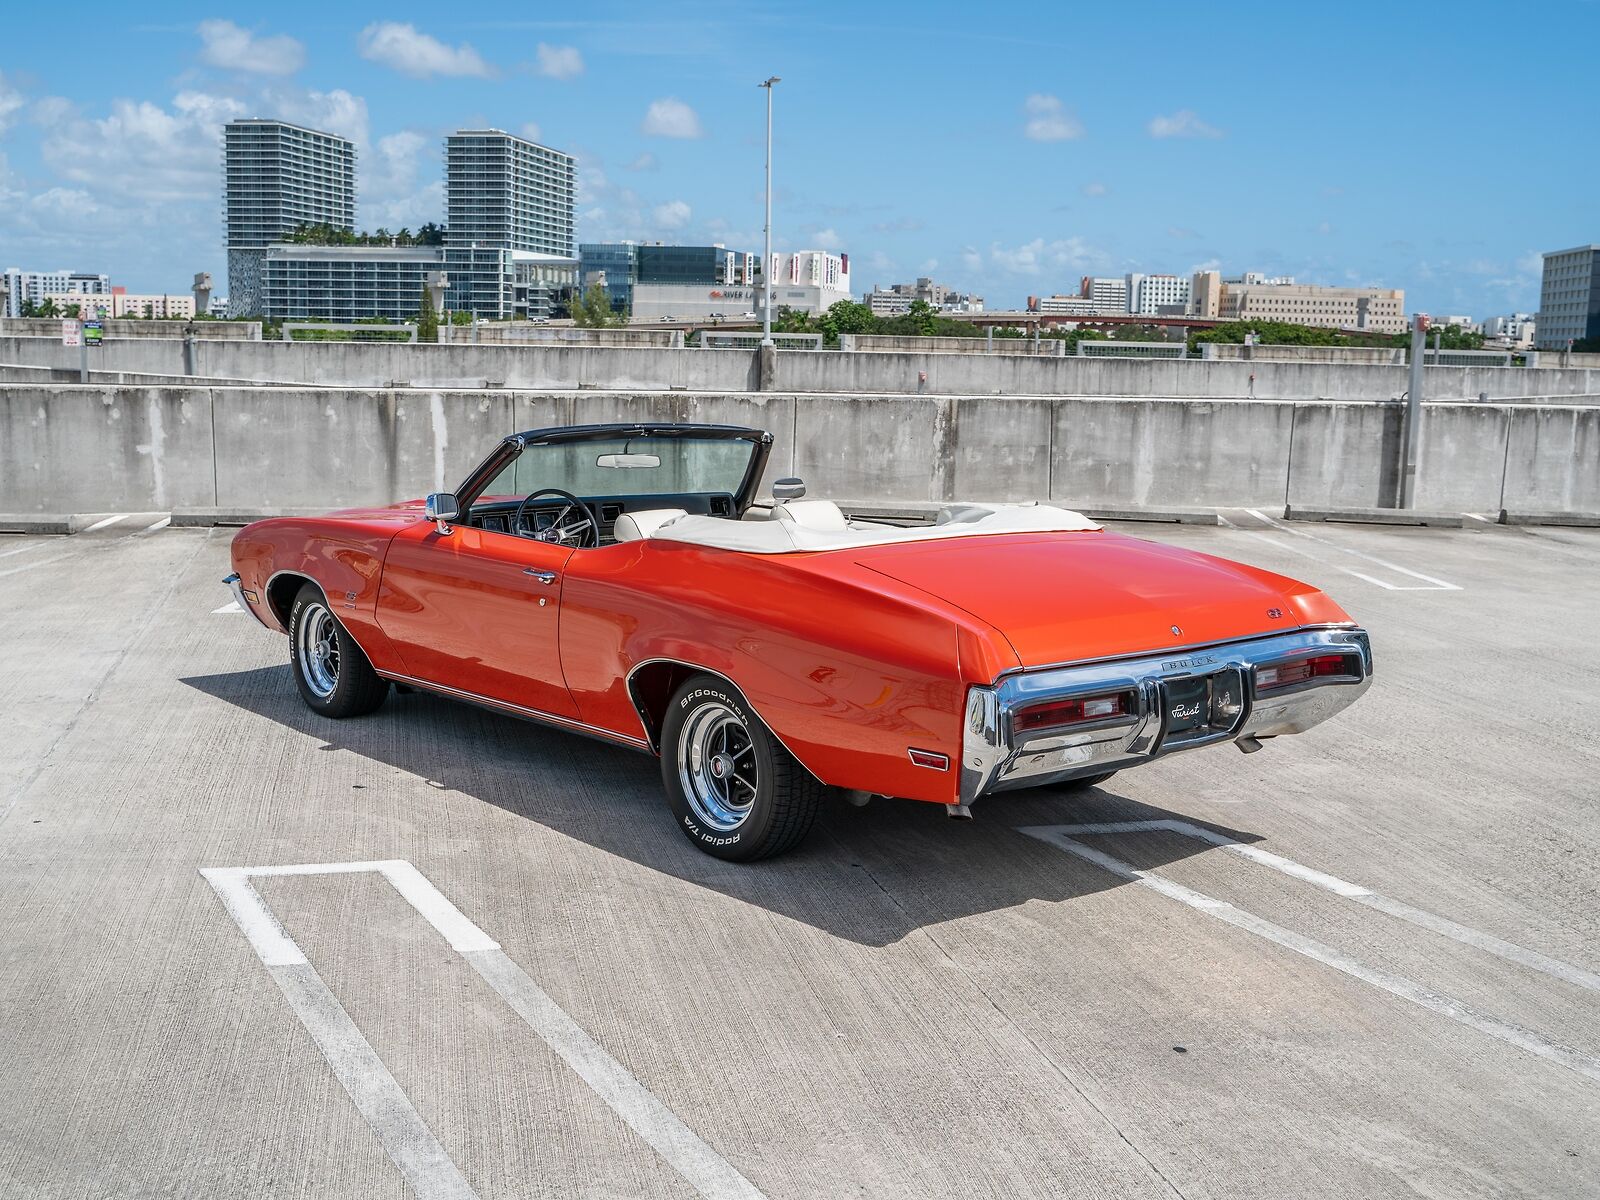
(400, 184)
(1049, 121)
(10, 102)
(825, 239)
(1094, 188)
(558, 62)
(671, 118)
(411, 52)
(929, 266)
(332, 112)
(1184, 123)
(1034, 258)
(226, 45)
(645, 162)
(155, 154)
(1181, 232)
(674, 214)
(530, 130)
(1324, 227)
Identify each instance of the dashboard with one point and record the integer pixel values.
(497, 515)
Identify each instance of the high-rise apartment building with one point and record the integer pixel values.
(1569, 297)
(276, 178)
(509, 222)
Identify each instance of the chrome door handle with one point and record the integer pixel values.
(541, 576)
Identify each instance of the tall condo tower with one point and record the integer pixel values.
(277, 177)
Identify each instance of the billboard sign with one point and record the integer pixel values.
(71, 332)
(93, 331)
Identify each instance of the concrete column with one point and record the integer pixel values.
(1413, 429)
(767, 369)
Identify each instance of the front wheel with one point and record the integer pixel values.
(333, 675)
(736, 792)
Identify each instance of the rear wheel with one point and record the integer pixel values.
(736, 792)
(333, 675)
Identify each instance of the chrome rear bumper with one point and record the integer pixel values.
(1221, 679)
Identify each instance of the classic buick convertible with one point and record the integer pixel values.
(624, 582)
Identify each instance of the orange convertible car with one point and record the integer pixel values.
(623, 581)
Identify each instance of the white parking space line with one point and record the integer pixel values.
(1395, 985)
(25, 549)
(111, 520)
(1434, 585)
(232, 606)
(155, 525)
(407, 1139)
(1510, 951)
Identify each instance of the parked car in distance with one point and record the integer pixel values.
(749, 316)
(628, 582)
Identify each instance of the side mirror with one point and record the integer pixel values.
(788, 489)
(442, 507)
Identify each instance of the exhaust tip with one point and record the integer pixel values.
(958, 812)
(1249, 744)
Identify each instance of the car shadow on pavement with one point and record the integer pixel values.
(872, 875)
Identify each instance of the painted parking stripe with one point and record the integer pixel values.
(232, 606)
(155, 525)
(1395, 985)
(111, 520)
(1437, 585)
(407, 1139)
(1466, 935)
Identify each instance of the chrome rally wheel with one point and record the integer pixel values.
(717, 766)
(318, 639)
(736, 791)
(331, 673)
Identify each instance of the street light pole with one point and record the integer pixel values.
(766, 258)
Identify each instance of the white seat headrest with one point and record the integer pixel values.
(811, 514)
(631, 527)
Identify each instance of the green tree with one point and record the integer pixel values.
(592, 310)
(846, 316)
(427, 319)
(29, 309)
(48, 308)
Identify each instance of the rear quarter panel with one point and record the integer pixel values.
(848, 669)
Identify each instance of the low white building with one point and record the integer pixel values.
(34, 286)
(118, 304)
(1157, 295)
(1516, 330)
(810, 281)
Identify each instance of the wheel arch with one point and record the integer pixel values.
(281, 590)
(652, 683)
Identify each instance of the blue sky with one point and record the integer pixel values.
(1002, 149)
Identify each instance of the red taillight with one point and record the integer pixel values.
(1287, 674)
(1054, 714)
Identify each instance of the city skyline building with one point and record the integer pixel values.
(1569, 297)
(278, 176)
(33, 287)
(652, 280)
(808, 281)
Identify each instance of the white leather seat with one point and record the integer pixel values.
(631, 527)
(823, 515)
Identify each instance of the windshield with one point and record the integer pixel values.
(638, 465)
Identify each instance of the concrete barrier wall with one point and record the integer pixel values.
(216, 331)
(558, 368)
(1361, 355)
(99, 449)
(521, 333)
(878, 342)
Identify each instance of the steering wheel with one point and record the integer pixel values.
(563, 519)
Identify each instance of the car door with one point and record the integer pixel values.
(479, 612)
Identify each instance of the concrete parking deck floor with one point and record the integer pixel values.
(907, 1006)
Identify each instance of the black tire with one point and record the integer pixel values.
(763, 818)
(340, 683)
